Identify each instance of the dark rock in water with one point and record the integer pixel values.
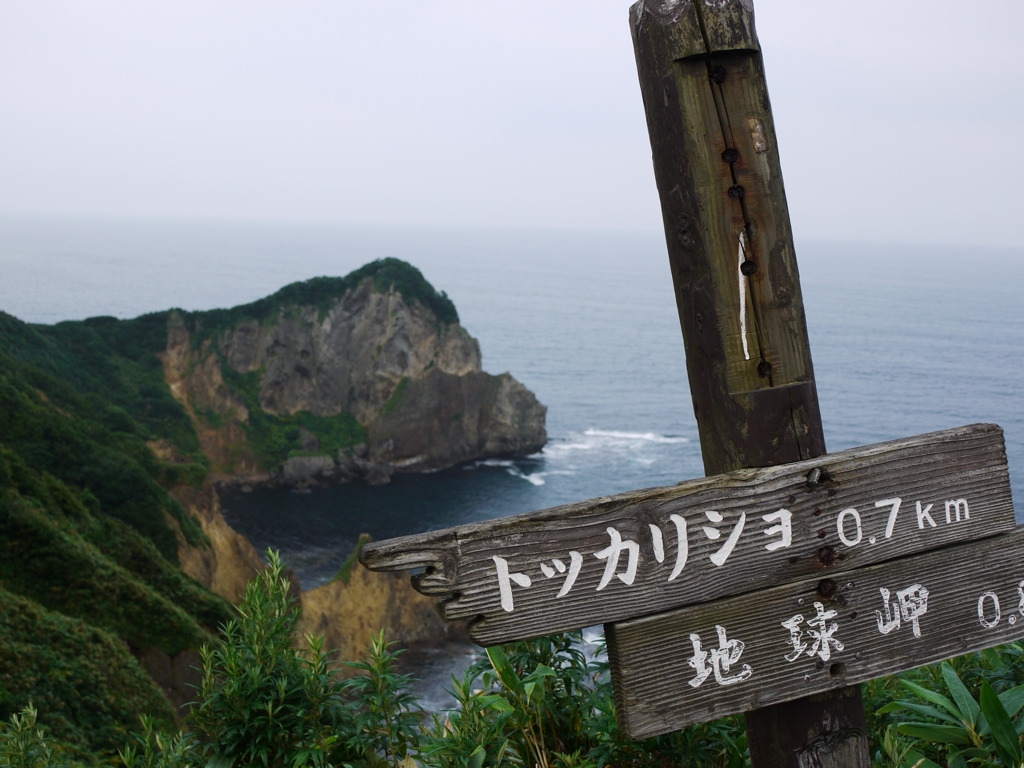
(442, 419)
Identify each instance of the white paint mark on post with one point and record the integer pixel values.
(742, 279)
(757, 135)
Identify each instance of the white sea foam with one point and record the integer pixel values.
(512, 468)
(609, 441)
(640, 437)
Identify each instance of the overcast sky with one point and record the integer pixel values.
(897, 119)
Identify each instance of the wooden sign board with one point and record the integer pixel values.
(646, 552)
(751, 651)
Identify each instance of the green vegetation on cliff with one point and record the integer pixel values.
(88, 529)
(322, 292)
(275, 438)
(88, 535)
(92, 444)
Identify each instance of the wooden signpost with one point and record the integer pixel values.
(645, 552)
(788, 575)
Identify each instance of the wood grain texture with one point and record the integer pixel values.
(840, 510)
(720, 182)
(653, 675)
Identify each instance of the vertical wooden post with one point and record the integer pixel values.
(737, 288)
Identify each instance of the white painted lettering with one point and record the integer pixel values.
(783, 528)
(722, 659)
(795, 636)
(895, 504)
(955, 507)
(722, 555)
(913, 605)
(505, 581)
(891, 620)
(574, 568)
(612, 552)
(684, 545)
(657, 542)
(985, 621)
(698, 661)
(841, 527)
(710, 531)
(821, 628)
(923, 515)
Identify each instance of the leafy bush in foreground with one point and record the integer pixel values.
(540, 704)
(262, 702)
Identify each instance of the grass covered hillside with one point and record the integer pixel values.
(92, 445)
(88, 534)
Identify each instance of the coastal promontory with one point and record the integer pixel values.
(336, 378)
(116, 564)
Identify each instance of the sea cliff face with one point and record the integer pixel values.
(405, 387)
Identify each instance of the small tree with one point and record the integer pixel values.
(262, 702)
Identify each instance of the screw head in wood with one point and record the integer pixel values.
(730, 155)
(826, 556)
(748, 267)
(736, 192)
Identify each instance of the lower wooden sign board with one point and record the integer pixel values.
(751, 651)
(649, 551)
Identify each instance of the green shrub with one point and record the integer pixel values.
(262, 702)
(951, 722)
(382, 727)
(24, 745)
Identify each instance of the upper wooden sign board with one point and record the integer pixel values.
(650, 551)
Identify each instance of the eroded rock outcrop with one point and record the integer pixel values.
(226, 562)
(349, 612)
(342, 377)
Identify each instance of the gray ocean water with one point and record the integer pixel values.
(905, 339)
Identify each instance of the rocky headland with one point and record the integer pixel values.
(115, 561)
(341, 378)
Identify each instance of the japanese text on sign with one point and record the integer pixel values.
(620, 559)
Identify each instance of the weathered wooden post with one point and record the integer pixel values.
(737, 289)
(787, 576)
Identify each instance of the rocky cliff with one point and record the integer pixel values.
(343, 377)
